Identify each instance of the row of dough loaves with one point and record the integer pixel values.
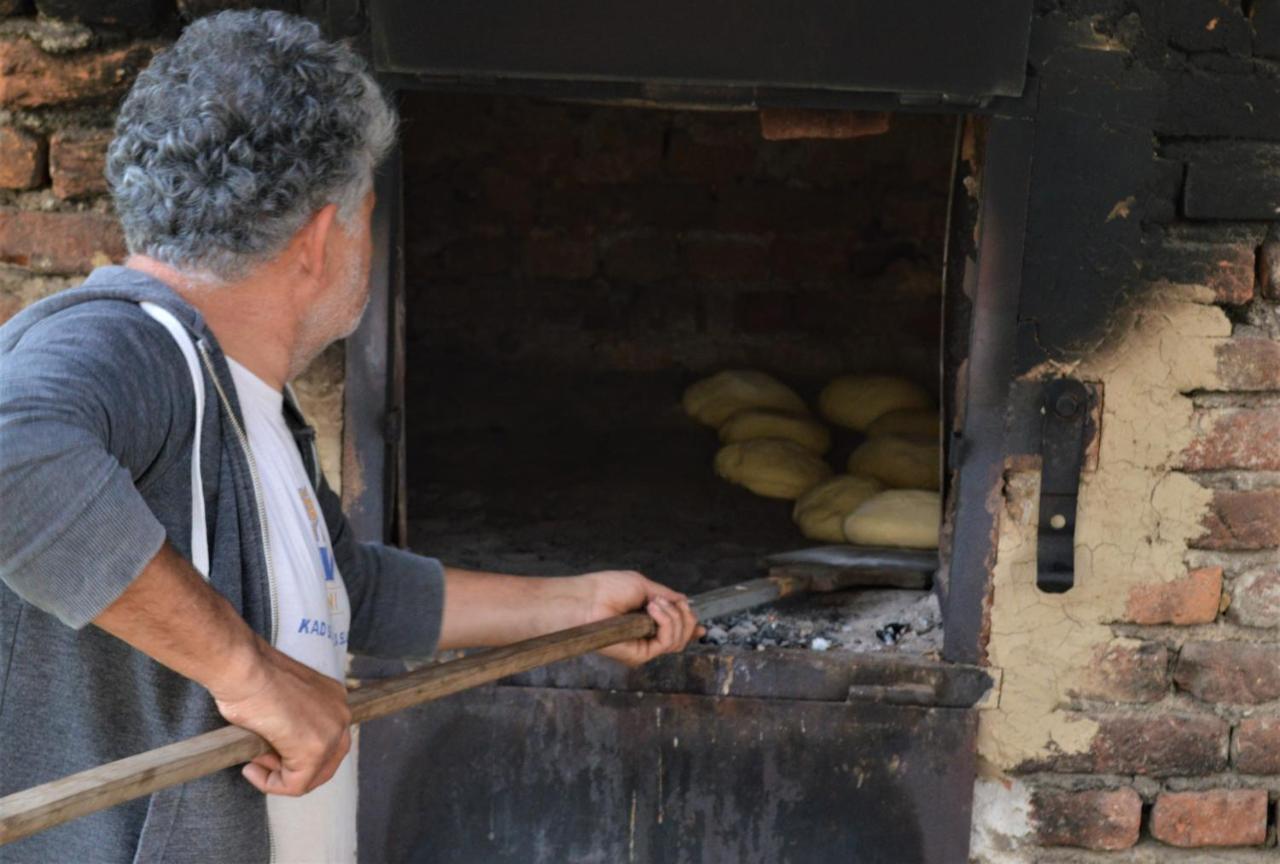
(774, 447)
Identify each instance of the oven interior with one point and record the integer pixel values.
(571, 267)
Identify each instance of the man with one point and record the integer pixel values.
(145, 424)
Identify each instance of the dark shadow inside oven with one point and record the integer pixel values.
(570, 268)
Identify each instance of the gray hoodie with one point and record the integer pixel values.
(96, 423)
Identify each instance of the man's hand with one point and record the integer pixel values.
(616, 592)
(301, 713)
(170, 613)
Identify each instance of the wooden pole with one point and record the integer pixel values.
(41, 807)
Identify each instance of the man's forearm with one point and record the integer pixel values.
(171, 614)
(485, 609)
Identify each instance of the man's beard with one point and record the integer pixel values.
(333, 319)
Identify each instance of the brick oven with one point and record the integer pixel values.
(1057, 216)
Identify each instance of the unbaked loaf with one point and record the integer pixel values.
(856, 401)
(770, 423)
(772, 467)
(821, 511)
(899, 463)
(714, 400)
(896, 517)
(921, 423)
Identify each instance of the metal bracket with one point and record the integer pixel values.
(1065, 417)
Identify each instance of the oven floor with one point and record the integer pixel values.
(555, 473)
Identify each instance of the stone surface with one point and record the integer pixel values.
(1191, 599)
(1100, 819)
(20, 288)
(1229, 672)
(59, 242)
(1222, 817)
(76, 161)
(1257, 745)
(30, 78)
(22, 158)
(1255, 598)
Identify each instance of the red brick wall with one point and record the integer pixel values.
(629, 238)
(62, 73)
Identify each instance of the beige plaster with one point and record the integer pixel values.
(1135, 518)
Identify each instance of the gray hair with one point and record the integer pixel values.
(232, 138)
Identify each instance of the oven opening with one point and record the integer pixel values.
(572, 268)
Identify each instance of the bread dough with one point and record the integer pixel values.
(770, 423)
(897, 462)
(772, 467)
(918, 423)
(714, 400)
(857, 400)
(896, 517)
(821, 511)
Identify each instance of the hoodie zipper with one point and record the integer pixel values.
(258, 496)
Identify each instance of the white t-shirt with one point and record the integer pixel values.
(314, 616)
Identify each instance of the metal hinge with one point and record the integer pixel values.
(1066, 428)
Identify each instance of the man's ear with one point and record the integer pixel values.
(313, 239)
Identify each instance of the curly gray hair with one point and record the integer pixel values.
(231, 139)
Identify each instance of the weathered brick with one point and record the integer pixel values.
(30, 78)
(59, 242)
(1227, 269)
(1241, 438)
(1232, 672)
(708, 162)
(785, 124)
(642, 256)
(1233, 180)
(145, 16)
(22, 158)
(1101, 819)
(192, 9)
(1255, 598)
(1156, 745)
(1257, 745)
(1191, 599)
(1127, 670)
(1241, 520)
(559, 255)
(1249, 364)
(76, 159)
(764, 312)
(727, 256)
(1264, 16)
(812, 255)
(1200, 25)
(1269, 264)
(1217, 817)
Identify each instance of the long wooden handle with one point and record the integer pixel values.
(40, 807)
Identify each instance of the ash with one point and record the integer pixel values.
(862, 621)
